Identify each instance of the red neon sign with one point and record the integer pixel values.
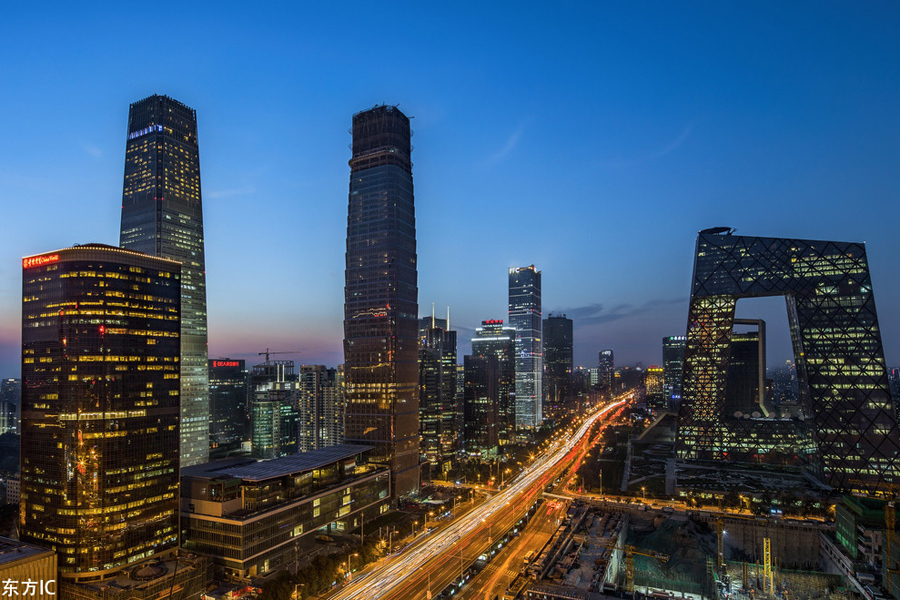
(226, 363)
(494, 322)
(39, 261)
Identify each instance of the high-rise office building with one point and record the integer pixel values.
(11, 401)
(321, 407)
(557, 358)
(381, 297)
(275, 409)
(525, 317)
(493, 339)
(673, 361)
(481, 398)
(607, 369)
(100, 393)
(162, 215)
(745, 379)
(837, 350)
(229, 414)
(437, 394)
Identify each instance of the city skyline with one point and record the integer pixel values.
(621, 168)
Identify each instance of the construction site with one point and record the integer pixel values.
(602, 551)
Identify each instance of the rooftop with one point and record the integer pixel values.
(12, 550)
(259, 470)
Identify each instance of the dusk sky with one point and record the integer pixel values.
(590, 139)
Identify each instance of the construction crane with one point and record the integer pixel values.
(630, 551)
(720, 538)
(267, 353)
(767, 567)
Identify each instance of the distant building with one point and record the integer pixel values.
(229, 415)
(558, 358)
(607, 370)
(10, 402)
(481, 401)
(673, 363)
(493, 339)
(525, 318)
(100, 445)
(654, 380)
(321, 407)
(268, 508)
(745, 377)
(894, 379)
(381, 296)
(438, 435)
(12, 490)
(274, 418)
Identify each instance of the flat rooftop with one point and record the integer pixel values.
(12, 551)
(250, 469)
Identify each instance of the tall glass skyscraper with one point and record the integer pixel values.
(525, 317)
(100, 351)
(493, 339)
(381, 297)
(837, 348)
(162, 215)
(558, 358)
(673, 362)
(438, 436)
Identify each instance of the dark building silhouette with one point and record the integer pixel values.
(381, 297)
(745, 387)
(837, 348)
(673, 363)
(607, 370)
(162, 215)
(229, 415)
(493, 339)
(525, 317)
(438, 435)
(557, 358)
(481, 399)
(100, 407)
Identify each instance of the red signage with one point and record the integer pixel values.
(226, 363)
(494, 322)
(39, 261)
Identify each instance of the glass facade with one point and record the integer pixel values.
(525, 317)
(381, 297)
(100, 398)
(229, 417)
(162, 215)
(837, 349)
(493, 339)
(673, 363)
(607, 369)
(557, 358)
(481, 399)
(321, 407)
(438, 438)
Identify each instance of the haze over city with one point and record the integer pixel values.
(591, 141)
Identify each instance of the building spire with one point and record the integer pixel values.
(448, 318)
(432, 315)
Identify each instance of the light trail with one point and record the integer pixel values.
(382, 580)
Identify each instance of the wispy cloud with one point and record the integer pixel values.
(93, 150)
(598, 313)
(230, 192)
(656, 154)
(511, 142)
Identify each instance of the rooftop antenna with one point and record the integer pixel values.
(432, 315)
(448, 318)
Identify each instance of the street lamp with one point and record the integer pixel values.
(349, 569)
(643, 492)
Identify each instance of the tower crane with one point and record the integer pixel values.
(267, 353)
(630, 552)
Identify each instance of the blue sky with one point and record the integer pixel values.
(590, 139)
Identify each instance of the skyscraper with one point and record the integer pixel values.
(525, 317)
(673, 361)
(557, 358)
(162, 215)
(381, 297)
(100, 351)
(321, 407)
(607, 369)
(493, 339)
(229, 414)
(274, 414)
(837, 349)
(481, 395)
(437, 394)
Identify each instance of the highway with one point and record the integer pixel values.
(427, 567)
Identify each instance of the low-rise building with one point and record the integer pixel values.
(26, 569)
(251, 517)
